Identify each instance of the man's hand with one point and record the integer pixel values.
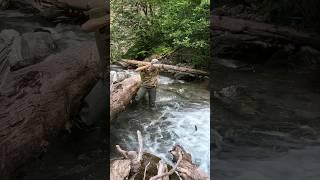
(87, 4)
(92, 5)
(95, 24)
(81, 4)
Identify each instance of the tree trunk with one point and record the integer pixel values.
(169, 68)
(122, 93)
(37, 101)
(264, 30)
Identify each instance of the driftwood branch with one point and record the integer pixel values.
(170, 172)
(134, 157)
(140, 141)
(122, 152)
(162, 168)
(145, 171)
(183, 167)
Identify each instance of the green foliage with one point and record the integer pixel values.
(140, 28)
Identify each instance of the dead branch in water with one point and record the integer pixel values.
(161, 174)
(134, 157)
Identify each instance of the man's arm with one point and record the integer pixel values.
(81, 4)
(160, 67)
(92, 5)
(87, 4)
(96, 23)
(143, 68)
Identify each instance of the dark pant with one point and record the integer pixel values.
(152, 92)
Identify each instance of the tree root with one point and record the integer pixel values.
(183, 168)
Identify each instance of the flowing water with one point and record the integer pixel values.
(182, 117)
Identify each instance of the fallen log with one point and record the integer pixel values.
(122, 93)
(37, 101)
(236, 25)
(169, 68)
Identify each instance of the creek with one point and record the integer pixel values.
(182, 116)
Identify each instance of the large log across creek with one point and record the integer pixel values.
(37, 101)
(169, 68)
(264, 30)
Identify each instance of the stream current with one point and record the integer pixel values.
(182, 116)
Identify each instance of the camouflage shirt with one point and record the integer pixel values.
(149, 77)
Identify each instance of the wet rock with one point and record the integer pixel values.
(185, 76)
(231, 63)
(230, 92)
(308, 57)
(217, 141)
(28, 48)
(120, 169)
(4, 4)
(8, 35)
(238, 99)
(252, 176)
(36, 46)
(116, 77)
(305, 132)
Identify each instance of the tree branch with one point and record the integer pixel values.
(140, 141)
(122, 152)
(145, 171)
(170, 172)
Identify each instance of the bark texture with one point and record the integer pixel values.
(122, 93)
(37, 101)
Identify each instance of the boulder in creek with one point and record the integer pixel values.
(185, 76)
(27, 49)
(4, 4)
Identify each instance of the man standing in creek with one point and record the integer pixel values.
(149, 81)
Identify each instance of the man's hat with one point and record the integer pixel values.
(154, 61)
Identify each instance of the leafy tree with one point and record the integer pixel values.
(140, 28)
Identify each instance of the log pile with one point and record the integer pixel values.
(139, 165)
(37, 101)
